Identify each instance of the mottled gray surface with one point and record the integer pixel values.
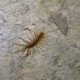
(60, 60)
(61, 22)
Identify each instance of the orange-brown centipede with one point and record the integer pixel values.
(36, 43)
(38, 40)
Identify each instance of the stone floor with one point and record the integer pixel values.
(58, 58)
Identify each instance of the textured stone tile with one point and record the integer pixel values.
(60, 60)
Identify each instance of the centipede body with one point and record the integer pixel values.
(36, 40)
(34, 43)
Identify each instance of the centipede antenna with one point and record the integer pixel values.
(43, 5)
(45, 16)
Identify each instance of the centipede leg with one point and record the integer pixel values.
(23, 40)
(19, 44)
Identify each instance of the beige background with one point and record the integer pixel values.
(61, 61)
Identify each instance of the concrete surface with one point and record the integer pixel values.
(61, 58)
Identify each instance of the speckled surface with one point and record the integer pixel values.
(61, 58)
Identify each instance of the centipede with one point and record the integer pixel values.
(35, 43)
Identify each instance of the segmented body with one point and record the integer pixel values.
(35, 41)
